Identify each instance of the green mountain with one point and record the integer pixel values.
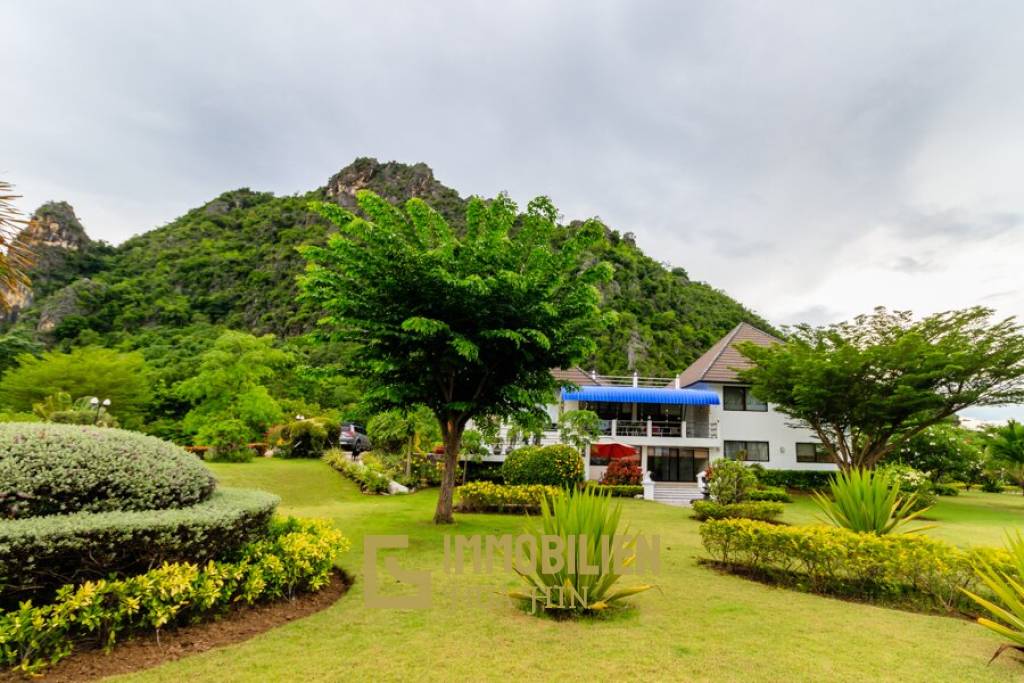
(232, 262)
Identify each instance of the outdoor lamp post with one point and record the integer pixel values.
(97, 404)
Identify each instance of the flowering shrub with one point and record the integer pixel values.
(764, 511)
(298, 555)
(907, 571)
(555, 465)
(484, 496)
(623, 471)
(911, 481)
(53, 469)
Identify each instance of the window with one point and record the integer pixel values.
(740, 398)
(812, 452)
(747, 451)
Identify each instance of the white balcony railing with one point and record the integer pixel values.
(660, 428)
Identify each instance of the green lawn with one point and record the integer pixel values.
(699, 626)
(972, 518)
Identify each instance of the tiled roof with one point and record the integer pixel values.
(721, 361)
(576, 376)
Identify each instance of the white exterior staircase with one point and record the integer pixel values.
(676, 493)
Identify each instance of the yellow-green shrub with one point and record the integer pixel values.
(298, 555)
(485, 496)
(554, 465)
(909, 571)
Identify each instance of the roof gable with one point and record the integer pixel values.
(721, 362)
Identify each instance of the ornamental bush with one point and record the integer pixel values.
(307, 438)
(39, 554)
(907, 571)
(369, 473)
(51, 469)
(770, 493)
(556, 465)
(764, 511)
(297, 555)
(730, 481)
(483, 496)
(623, 471)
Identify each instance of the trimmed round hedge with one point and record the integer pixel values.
(555, 465)
(55, 469)
(40, 554)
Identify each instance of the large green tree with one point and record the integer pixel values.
(1006, 449)
(467, 324)
(229, 387)
(85, 372)
(867, 386)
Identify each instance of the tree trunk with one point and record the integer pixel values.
(452, 433)
(408, 457)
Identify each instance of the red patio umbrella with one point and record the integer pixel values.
(613, 450)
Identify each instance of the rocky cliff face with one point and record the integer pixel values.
(55, 225)
(59, 246)
(396, 183)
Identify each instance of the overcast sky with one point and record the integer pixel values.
(812, 159)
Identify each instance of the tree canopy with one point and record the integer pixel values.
(866, 386)
(229, 387)
(467, 324)
(83, 373)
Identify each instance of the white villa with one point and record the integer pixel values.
(677, 425)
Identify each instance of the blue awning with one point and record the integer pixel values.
(686, 397)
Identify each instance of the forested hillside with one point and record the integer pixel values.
(232, 264)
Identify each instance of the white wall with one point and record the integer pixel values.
(770, 426)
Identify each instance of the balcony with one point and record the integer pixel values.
(671, 429)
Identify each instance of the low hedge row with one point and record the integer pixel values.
(761, 510)
(297, 555)
(40, 554)
(483, 496)
(800, 480)
(773, 494)
(369, 475)
(618, 490)
(54, 469)
(907, 571)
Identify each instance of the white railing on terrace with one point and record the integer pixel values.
(635, 380)
(660, 428)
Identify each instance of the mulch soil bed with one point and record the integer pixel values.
(146, 651)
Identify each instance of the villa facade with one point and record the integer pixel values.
(678, 425)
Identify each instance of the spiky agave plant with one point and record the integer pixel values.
(1007, 603)
(14, 257)
(581, 518)
(869, 502)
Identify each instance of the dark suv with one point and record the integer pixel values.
(353, 438)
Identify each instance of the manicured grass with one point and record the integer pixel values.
(700, 625)
(972, 518)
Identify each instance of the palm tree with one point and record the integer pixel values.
(14, 257)
(1007, 449)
